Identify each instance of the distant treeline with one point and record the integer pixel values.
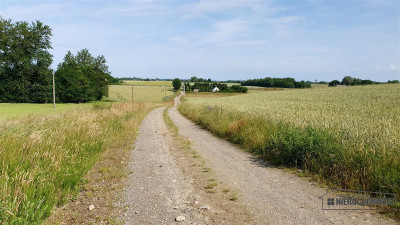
(350, 81)
(209, 86)
(277, 82)
(25, 74)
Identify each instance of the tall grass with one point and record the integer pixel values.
(44, 158)
(347, 136)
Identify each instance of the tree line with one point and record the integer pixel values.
(209, 86)
(350, 81)
(25, 74)
(277, 82)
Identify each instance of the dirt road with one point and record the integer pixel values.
(160, 188)
(164, 187)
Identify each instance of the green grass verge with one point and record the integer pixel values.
(44, 158)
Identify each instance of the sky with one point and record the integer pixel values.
(225, 40)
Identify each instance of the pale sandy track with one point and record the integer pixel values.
(274, 196)
(156, 191)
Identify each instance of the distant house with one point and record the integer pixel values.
(215, 89)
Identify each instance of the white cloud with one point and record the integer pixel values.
(390, 66)
(136, 8)
(393, 67)
(33, 12)
(179, 40)
(225, 30)
(204, 7)
(284, 20)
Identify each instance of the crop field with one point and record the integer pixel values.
(347, 136)
(43, 158)
(13, 110)
(140, 93)
(148, 83)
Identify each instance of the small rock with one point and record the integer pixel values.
(302, 206)
(176, 207)
(274, 180)
(196, 202)
(136, 212)
(299, 171)
(206, 207)
(91, 207)
(180, 218)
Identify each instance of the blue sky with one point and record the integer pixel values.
(308, 40)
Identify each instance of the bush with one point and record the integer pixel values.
(334, 83)
(176, 83)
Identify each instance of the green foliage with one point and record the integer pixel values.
(237, 88)
(348, 80)
(82, 78)
(277, 82)
(394, 81)
(176, 83)
(334, 83)
(208, 87)
(24, 68)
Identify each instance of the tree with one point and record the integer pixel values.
(347, 80)
(334, 83)
(82, 78)
(193, 79)
(24, 67)
(176, 83)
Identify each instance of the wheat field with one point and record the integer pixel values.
(349, 136)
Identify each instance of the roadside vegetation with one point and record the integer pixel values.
(43, 158)
(348, 137)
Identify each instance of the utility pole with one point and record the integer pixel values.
(54, 94)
